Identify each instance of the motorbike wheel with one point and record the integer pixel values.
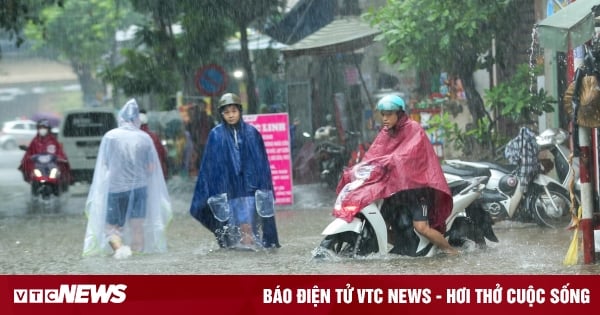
(551, 210)
(351, 244)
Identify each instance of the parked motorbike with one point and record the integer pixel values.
(333, 156)
(552, 141)
(367, 233)
(546, 201)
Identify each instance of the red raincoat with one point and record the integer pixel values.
(404, 159)
(160, 149)
(40, 145)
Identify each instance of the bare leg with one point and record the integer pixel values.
(434, 236)
(246, 230)
(113, 233)
(137, 234)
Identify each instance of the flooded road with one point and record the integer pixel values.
(52, 243)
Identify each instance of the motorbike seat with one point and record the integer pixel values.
(504, 168)
(466, 171)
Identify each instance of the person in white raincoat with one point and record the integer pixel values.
(128, 205)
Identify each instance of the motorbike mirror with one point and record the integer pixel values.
(23, 147)
(552, 136)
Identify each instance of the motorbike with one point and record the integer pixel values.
(376, 225)
(551, 141)
(47, 186)
(547, 201)
(333, 157)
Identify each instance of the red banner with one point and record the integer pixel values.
(299, 294)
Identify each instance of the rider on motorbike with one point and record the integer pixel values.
(413, 176)
(45, 143)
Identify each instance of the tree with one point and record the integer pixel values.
(161, 60)
(443, 35)
(452, 36)
(15, 14)
(243, 16)
(173, 58)
(82, 33)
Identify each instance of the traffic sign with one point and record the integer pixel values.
(211, 80)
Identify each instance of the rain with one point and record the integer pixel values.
(86, 57)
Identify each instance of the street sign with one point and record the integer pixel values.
(211, 80)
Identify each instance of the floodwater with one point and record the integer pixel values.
(52, 243)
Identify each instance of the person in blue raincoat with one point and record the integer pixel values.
(233, 197)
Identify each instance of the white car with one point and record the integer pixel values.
(17, 132)
(80, 133)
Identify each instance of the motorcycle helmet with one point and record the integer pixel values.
(391, 103)
(43, 127)
(229, 99)
(43, 123)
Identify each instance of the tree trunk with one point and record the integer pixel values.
(474, 100)
(88, 83)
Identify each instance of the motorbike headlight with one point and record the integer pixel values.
(37, 173)
(53, 173)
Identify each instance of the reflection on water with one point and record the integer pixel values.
(52, 245)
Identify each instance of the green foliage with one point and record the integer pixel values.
(518, 99)
(162, 62)
(450, 130)
(431, 35)
(82, 33)
(15, 14)
(140, 75)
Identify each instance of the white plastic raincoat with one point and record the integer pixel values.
(127, 160)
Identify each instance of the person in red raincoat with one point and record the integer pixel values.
(409, 174)
(160, 149)
(45, 142)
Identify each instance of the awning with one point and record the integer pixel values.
(305, 17)
(341, 35)
(256, 41)
(573, 24)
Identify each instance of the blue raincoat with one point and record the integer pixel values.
(234, 174)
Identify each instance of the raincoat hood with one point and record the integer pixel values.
(402, 158)
(130, 114)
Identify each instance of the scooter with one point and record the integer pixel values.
(46, 186)
(546, 200)
(552, 141)
(367, 233)
(333, 156)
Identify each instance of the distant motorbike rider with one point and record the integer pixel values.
(413, 177)
(45, 143)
